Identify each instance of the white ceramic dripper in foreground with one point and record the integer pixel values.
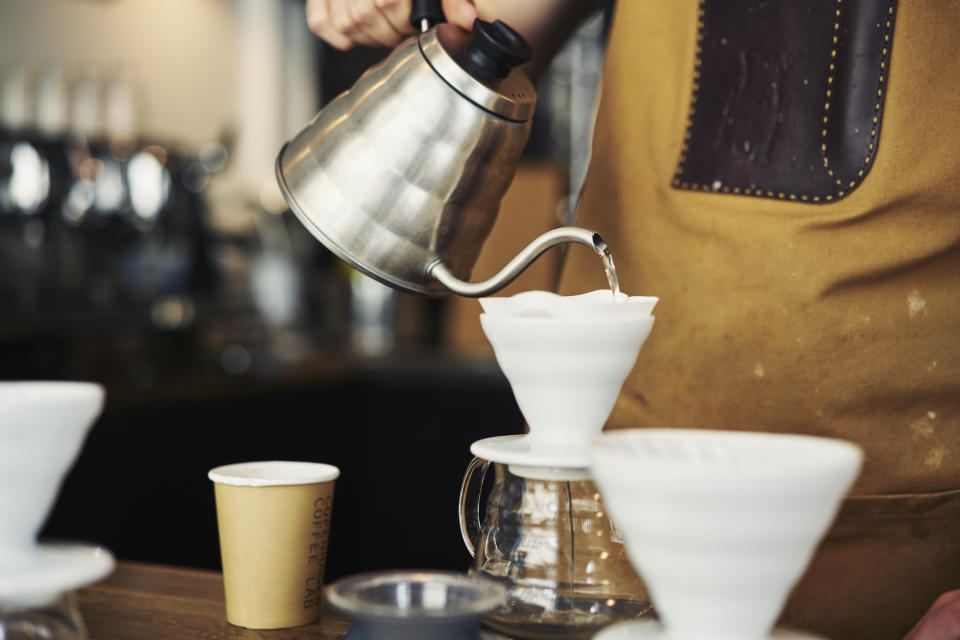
(42, 428)
(720, 524)
(566, 358)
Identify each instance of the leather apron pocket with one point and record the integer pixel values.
(787, 97)
(880, 567)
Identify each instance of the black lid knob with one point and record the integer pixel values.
(426, 13)
(495, 49)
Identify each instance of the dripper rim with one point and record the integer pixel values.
(833, 452)
(47, 392)
(569, 320)
(516, 450)
(597, 305)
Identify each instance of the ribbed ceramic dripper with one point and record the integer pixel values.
(721, 525)
(566, 358)
(42, 428)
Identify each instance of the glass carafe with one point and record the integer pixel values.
(57, 619)
(546, 535)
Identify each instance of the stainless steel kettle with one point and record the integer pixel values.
(402, 175)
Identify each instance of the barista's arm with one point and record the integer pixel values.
(546, 24)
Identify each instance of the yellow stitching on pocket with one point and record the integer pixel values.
(871, 147)
(697, 61)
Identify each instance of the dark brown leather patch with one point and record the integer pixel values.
(787, 97)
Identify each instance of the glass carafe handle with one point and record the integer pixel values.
(470, 491)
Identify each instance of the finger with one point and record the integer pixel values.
(315, 10)
(397, 12)
(373, 25)
(343, 22)
(320, 21)
(460, 12)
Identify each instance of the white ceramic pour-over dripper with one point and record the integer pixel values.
(719, 524)
(42, 428)
(566, 358)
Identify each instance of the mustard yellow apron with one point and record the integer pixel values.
(804, 239)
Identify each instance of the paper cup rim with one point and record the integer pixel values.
(273, 473)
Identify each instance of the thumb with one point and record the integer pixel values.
(460, 12)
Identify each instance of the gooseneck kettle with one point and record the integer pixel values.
(401, 176)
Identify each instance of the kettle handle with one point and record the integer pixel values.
(470, 499)
(426, 13)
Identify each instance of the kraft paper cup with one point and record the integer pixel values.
(274, 521)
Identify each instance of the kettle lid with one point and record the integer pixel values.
(482, 66)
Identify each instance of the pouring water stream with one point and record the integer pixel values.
(611, 270)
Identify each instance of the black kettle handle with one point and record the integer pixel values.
(426, 13)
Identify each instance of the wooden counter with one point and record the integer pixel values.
(152, 602)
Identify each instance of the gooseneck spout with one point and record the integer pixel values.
(561, 235)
